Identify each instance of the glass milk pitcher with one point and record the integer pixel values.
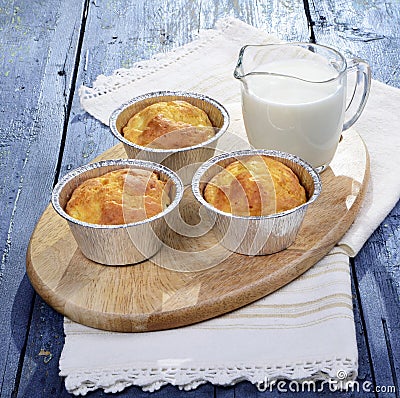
(294, 98)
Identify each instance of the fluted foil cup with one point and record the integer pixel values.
(257, 235)
(184, 161)
(125, 243)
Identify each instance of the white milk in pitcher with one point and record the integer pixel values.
(300, 117)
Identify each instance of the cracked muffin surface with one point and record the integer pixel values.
(119, 197)
(169, 125)
(255, 186)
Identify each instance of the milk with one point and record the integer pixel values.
(304, 118)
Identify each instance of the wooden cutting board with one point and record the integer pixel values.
(192, 278)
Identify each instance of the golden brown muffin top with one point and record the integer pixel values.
(169, 125)
(118, 197)
(255, 186)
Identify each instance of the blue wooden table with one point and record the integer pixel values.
(48, 49)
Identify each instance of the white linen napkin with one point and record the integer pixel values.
(304, 331)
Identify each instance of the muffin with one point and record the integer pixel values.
(255, 186)
(118, 197)
(169, 125)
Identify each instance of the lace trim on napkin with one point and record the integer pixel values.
(104, 85)
(151, 379)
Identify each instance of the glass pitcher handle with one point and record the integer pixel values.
(361, 90)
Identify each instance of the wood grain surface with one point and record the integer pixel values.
(192, 278)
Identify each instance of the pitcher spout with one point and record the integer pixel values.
(239, 73)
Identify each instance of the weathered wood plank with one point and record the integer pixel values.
(119, 33)
(36, 64)
(378, 276)
(39, 375)
(365, 371)
(367, 29)
(285, 19)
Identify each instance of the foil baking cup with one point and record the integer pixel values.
(257, 235)
(125, 243)
(185, 161)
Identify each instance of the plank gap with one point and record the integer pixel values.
(363, 324)
(310, 22)
(68, 107)
(18, 374)
(391, 356)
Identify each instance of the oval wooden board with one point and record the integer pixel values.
(190, 279)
